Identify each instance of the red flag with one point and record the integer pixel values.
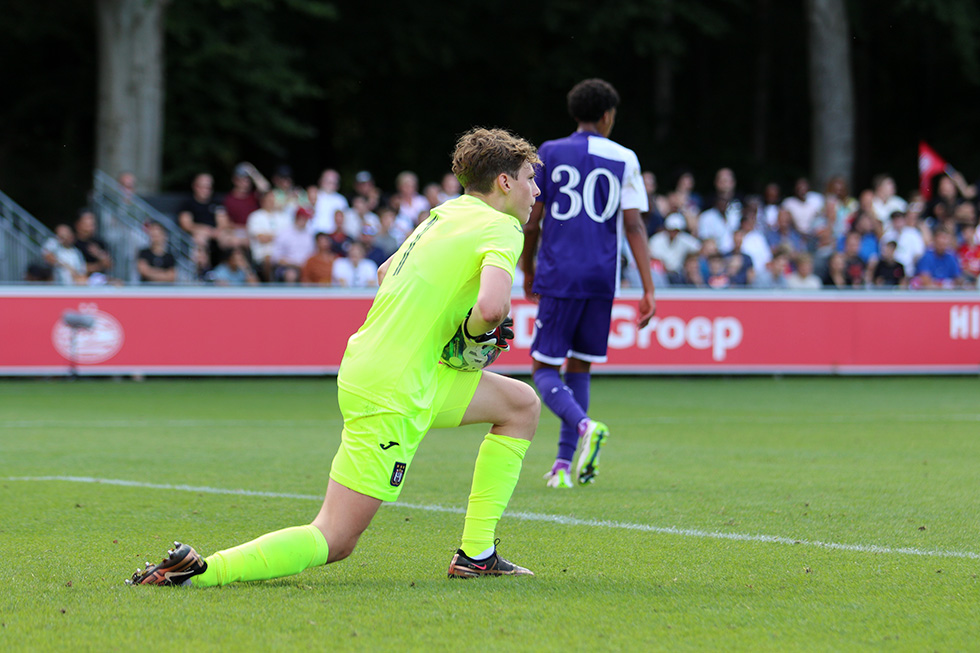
(930, 164)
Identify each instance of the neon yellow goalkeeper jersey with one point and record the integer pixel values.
(431, 284)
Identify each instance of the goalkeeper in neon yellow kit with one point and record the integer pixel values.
(451, 279)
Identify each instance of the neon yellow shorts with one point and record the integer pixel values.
(378, 444)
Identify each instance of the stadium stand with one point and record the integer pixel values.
(122, 221)
(21, 238)
(123, 218)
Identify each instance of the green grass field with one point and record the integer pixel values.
(749, 514)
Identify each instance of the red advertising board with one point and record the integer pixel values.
(303, 331)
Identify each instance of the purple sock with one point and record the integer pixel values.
(560, 399)
(567, 442)
(578, 383)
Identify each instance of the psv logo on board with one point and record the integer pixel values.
(91, 345)
(398, 474)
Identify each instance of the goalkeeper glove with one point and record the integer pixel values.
(497, 336)
(470, 353)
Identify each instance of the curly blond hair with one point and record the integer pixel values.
(482, 154)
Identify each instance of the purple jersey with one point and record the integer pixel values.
(586, 182)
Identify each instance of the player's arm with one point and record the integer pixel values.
(492, 302)
(636, 236)
(532, 233)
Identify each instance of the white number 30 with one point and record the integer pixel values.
(586, 198)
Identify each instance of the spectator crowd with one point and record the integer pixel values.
(812, 239)
(278, 232)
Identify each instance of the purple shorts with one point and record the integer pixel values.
(571, 328)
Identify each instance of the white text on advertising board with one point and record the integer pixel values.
(964, 322)
(718, 334)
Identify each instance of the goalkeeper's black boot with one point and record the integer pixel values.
(181, 564)
(463, 566)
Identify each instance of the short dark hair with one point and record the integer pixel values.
(591, 98)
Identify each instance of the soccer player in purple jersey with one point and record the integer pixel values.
(592, 192)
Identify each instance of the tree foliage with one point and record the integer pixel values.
(235, 76)
(959, 21)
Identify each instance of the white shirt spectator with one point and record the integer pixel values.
(327, 205)
(756, 247)
(809, 282)
(354, 222)
(804, 211)
(768, 215)
(884, 209)
(712, 224)
(70, 261)
(673, 252)
(264, 223)
(409, 211)
(350, 274)
(909, 246)
(293, 245)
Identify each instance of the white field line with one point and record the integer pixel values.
(663, 419)
(163, 423)
(540, 517)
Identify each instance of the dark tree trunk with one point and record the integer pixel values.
(129, 116)
(831, 91)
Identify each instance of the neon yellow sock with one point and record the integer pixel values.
(498, 466)
(273, 555)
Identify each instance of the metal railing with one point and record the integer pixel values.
(122, 219)
(21, 239)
